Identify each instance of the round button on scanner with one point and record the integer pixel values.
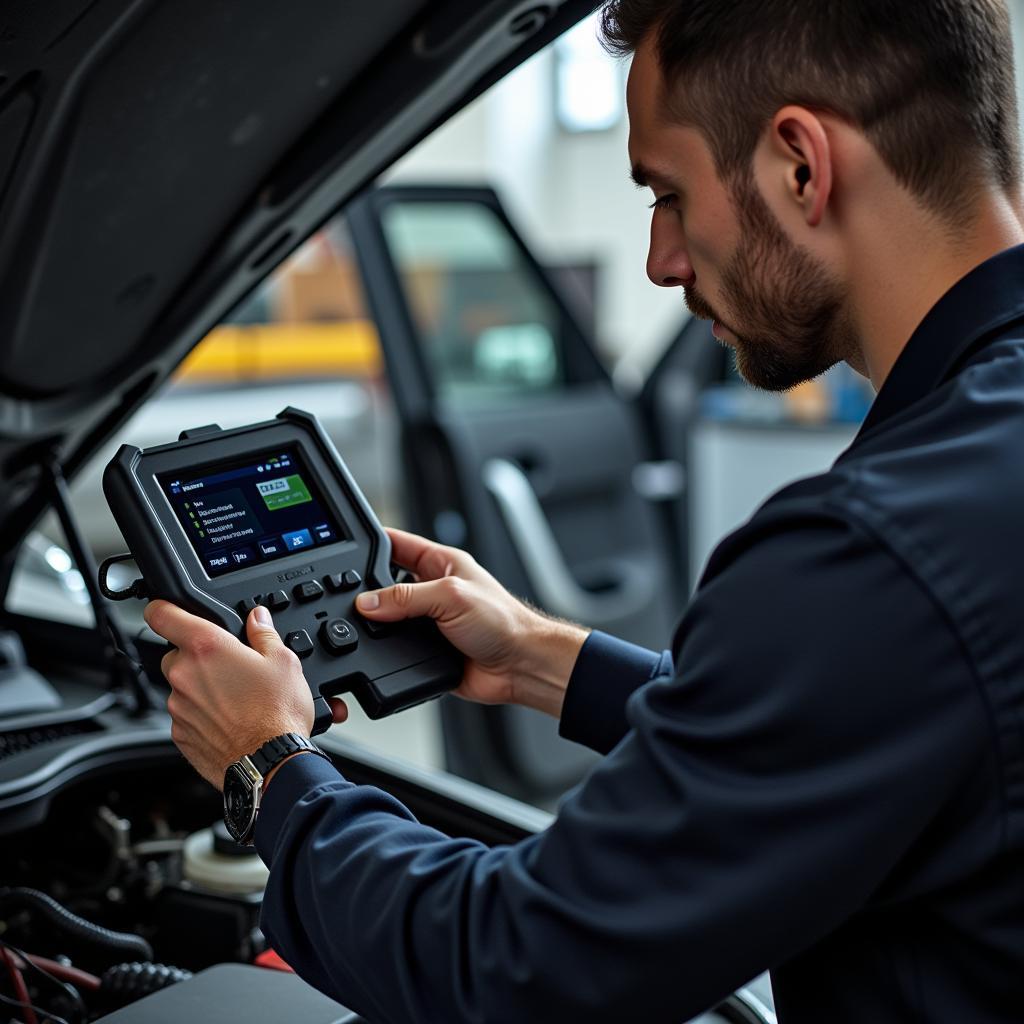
(338, 636)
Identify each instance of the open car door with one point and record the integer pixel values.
(515, 446)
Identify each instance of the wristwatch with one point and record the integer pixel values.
(243, 782)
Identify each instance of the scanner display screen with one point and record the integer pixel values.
(247, 511)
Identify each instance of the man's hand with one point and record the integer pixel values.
(227, 699)
(514, 655)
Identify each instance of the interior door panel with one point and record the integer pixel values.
(564, 506)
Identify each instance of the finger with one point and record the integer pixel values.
(176, 625)
(439, 599)
(339, 709)
(427, 559)
(263, 638)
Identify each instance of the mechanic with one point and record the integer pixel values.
(825, 777)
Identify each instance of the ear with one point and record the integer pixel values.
(800, 142)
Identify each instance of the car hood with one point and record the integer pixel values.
(158, 159)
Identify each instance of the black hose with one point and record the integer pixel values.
(125, 983)
(71, 924)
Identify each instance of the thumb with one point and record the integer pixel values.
(259, 627)
(438, 599)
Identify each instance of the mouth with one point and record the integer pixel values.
(701, 309)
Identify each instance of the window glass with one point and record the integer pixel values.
(488, 325)
(304, 338)
(308, 322)
(589, 88)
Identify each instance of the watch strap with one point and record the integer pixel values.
(275, 750)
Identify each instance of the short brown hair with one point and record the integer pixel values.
(930, 82)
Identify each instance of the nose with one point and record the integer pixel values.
(668, 260)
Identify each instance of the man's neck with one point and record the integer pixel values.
(898, 282)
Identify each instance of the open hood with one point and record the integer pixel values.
(158, 159)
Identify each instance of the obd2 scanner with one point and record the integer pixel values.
(223, 520)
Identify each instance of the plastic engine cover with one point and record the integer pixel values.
(239, 993)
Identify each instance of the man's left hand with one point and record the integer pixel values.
(227, 699)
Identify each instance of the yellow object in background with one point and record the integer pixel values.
(265, 352)
(809, 402)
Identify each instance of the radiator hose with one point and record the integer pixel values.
(122, 943)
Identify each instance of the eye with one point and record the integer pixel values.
(663, 202)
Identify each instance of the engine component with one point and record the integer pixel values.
(124, 983)
(213, 914)
(62, 997)
(24, 689)
(19, 986)
(216, 862)
(202, 928)
(236, 992)
(65, 921)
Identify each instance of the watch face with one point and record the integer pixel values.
(239, 804)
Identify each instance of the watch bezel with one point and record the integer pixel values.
(246, 774)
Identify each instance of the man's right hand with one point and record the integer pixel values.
(514, 654)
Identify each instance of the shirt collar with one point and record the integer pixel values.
(969, 315)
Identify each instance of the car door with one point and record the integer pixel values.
(515, 446)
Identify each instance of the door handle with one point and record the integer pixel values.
(660, 481)
(552, 581)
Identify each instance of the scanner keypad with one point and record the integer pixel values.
(336, 635)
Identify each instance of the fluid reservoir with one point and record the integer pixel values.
(216, 863)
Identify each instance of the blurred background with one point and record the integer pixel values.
(512, 224)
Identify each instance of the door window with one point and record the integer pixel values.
(487, 325)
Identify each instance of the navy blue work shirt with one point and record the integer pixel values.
(825, 777)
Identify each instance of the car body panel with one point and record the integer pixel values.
(111, 113)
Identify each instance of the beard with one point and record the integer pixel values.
(792, 310)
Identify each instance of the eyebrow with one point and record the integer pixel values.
(643, 177)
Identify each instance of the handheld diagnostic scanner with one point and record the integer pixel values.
(223, 520)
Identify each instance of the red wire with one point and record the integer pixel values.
(20, 988)
(82, 979)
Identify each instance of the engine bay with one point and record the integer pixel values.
(129, 885)
(118, 881)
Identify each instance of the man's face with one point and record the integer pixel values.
(774, 302)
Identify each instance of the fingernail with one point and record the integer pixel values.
(367, 602)
(262, 616)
